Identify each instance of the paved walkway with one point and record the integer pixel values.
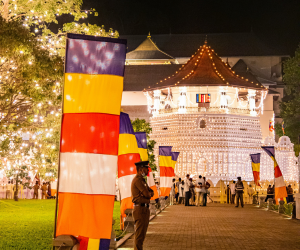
(220, 226)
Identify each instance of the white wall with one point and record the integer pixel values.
(133, 98)
(266, 117)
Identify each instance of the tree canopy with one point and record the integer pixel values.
(290, 105)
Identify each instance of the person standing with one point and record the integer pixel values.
(141, 194)
(207, 186)
(36, 190)
(232, 190)
(269, 193)
(172, 192)
(187, 189)
(239, 189)
(192, 193)
(199, 182)
(44, 191)
(290, 191)
(177, 185)
(181, 193)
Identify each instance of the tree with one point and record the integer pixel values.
(143, 126)
(30, 99)
(290, 105)
(38, 14)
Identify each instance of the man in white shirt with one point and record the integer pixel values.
(232, 189)
(198, 185)
(187, 189)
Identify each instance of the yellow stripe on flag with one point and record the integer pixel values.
(127, 144)
(165, 161)
(143, 154)
(256, 167)
(85, 93)
(173, 164)
(93, 244)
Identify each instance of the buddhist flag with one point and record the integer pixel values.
(128, 156)
(141, 138)
(94, 72)
(166, 170)
(255, 158)
(280, 188)
(174, 160)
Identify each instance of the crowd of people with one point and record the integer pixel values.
(35, 192)
(271, 192)
(189, 192)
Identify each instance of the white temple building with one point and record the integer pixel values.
(213, 117)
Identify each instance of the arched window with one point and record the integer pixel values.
(202, 124)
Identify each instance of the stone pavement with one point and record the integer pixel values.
(220, 226)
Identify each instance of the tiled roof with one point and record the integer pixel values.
(147, 50)
(205, 68)
(227, 44)
(140, 77)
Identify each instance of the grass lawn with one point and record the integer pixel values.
(28, 224)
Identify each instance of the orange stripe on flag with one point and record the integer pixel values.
(126, 204)
(165, 191)
(85, 215)
(155, 196)
(280, 192)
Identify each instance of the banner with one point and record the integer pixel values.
(255, 158)
(128, 156)
(93, 85)
(174, 160)
(280, 188)
(166, 170)
(141, 138)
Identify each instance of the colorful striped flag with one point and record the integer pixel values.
(94, 72)
(128, 156)
(141, 138)
(255, 158)
(174, 160)
(166, 170)
(280, 188)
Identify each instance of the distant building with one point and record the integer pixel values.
(153, 58)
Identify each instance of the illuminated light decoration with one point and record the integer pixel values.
(141, 138)
(91, 157)
(251, 97)
(166, 170)
(127, 157)
(182, 100)
(212, 142)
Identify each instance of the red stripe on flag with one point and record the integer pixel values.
(256, 177)
(126, 164)
(90, 133)
(85, 214)
(166, 171)
(83, 241)
(277, 172)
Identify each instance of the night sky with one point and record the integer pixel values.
(275, 22)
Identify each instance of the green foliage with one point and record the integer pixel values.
(28, 224)
(143, 126)
(38, 14)
(290, 105)
(30, 99)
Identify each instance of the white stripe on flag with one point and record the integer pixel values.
(150, 179)
(279, 182)
(85, 173)
(125, 185)
(166, 181)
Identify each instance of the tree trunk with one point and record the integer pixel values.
(5, 9)
(16, 198)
